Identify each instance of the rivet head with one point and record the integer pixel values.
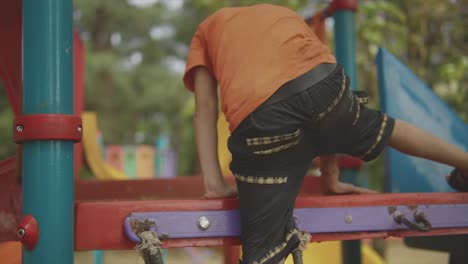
(348, 219)
(19, 128)
(203, 223)
(21, 232)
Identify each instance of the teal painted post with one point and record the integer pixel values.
(48, 192)
(98, 257)
(345, 45)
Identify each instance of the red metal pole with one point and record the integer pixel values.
(231, 254)
(10, 52)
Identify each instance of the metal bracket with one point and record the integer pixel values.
(47, 127)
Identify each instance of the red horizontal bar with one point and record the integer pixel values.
(99, 224)
(383, 199)
(176, 188)
(386, 234)
(89, 190)
(229, 241)
(197, 242)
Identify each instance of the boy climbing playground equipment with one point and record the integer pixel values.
(100, 215)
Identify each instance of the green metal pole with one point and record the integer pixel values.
(345, 45)
(48, 193)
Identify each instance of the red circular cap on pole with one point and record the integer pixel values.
(28, 232)
(344, 5)
(47, 127)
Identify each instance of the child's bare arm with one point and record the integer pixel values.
(206, 116)
(330, 178)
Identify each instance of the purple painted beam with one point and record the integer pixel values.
(182, 224)
(225, 223)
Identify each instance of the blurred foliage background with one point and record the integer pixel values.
(136, 51)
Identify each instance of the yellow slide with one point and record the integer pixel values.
(325, 252)
(92, 151)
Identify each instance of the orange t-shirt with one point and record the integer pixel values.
(251, 52)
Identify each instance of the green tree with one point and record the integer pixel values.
(129, 80)
(428, 36)
(132, 51)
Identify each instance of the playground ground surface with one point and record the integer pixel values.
(396, 253)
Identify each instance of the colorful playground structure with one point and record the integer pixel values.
(53, 213)
(117, 162)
